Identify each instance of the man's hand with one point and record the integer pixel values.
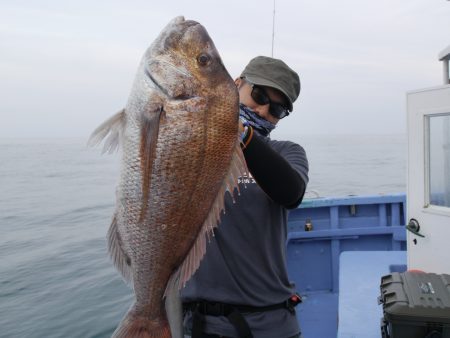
(243, 127)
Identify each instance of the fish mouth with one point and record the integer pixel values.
(153, 82)
(171, 90)
(180, 20)
(164, 70)
(174, 31)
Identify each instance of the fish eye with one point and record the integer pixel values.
(203, 59)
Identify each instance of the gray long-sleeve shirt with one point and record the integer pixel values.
(245, 262)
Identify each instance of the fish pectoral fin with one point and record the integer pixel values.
(193, 104)
(150, 122)
(115, 247)
(112, 128)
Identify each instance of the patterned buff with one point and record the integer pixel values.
(260, 125)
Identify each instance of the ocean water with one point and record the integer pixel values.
(56, 203)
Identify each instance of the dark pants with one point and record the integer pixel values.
(205, 335)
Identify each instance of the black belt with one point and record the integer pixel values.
(233, 313)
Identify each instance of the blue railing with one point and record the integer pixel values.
(320, 229)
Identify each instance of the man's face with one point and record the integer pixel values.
(245, 97)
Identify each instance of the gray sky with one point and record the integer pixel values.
(68, 65)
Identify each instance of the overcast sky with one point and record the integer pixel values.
(65, 66)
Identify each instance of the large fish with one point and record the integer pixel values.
(181, 153)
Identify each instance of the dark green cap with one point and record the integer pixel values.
(270, 72)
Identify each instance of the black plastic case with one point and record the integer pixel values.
(415, 305)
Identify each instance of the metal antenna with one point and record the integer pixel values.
(273, 25)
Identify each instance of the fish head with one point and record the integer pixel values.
(183, 63)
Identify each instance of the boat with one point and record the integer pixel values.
(339, 248)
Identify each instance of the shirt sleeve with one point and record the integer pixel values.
(283, 176)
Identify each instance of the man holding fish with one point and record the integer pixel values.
(184, 145)
(241, 288)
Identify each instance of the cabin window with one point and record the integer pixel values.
(438, 167)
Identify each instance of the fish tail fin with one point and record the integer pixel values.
(138, 326)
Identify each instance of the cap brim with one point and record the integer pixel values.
(267, 83)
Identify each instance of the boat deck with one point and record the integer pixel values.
(360, 276)
(318, 314)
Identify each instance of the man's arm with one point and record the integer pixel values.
(273, 173)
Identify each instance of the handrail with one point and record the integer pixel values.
(398, 231)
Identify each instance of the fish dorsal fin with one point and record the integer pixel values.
(112, 128)
(238, 168)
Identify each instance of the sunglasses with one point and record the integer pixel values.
(260, 96)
